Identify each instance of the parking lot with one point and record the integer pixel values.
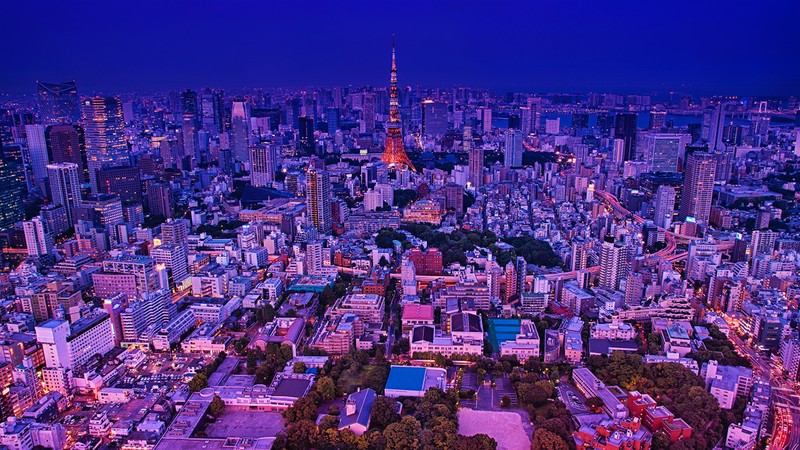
(572, 398)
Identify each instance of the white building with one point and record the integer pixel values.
(526, 345)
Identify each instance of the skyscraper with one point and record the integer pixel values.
(318, 199)
(122, 181)
(698, 187)
(613, 264)
(59, 103)
(394, 154)
(658, 119)
(12, 209)
(475, 159)
(625, 129)
(65, 186)
(663, 150)
(175, 232)
(105, 135)
(37, 240)
(434, 118)
(513, 149)
(512, 291)
(37, 153)
(664, 206)
(263, 164)
(306, 140)
(240, 137)
(67, 144)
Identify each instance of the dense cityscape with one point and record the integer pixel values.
(398, 267)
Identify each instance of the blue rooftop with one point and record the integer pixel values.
(406, 378)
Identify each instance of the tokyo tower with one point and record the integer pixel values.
(394, 154)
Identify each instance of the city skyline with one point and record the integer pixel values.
(534, 48)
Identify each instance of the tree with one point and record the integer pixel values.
(403, 435)
(198, 382)
(505, 402)
(299, 367)
(546, 440)
(476, 442)
(384, 413)
(326, 388)
(383, 262)
(595, 404)
(216, 407)
(303, 409)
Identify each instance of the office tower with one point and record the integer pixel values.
(513, 149)
(69, 346)
(552, 126)
(605, 122)
(525, 120)
(105, 135)
(368, 111)
(698, 187)
(664, 206)
(663, 151)
(212, 109)
(580, 253)
(762, 243)
(189, 110)
(103, 210)
(123, 181)
(580, 120)
(263, 164)
(484, 116)
(714, 125)
(12, 209)
(634, 284)
(434, 118)
(65, 186)
(240, 136)
(38, 240)
(305, 139)
(475, 159)
(535, 107)
(314, 260)
(618, 154)
(67, 144)
(658, 120)
(318, 199)
(613, 264)
(625, 129)
(173, 257)
(59, 103)
(394, 154)
(37, 155)
(159, 200)
(372, 200)
(493, 275)
(332, 116)
(175, 231)
(522, 272)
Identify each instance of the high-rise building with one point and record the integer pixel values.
(484, 116)
(67, 144)
(37, 152)
(306, 140)
(664, 206)
(38, 240)
(394, 154)
(475, 159)
(212, 109)
(69, 346)
(580, 253)
(714, 126)
(123, 181)
(159, 199)
(12, 209)
(65, 186)
(105, 135)
(173, 257)
(263, 164)
(613, 264)
(189, 109)
(698, 187)
(663, 151)
(625, 129)
(658, 120)
(240, 136)
(103, 210)
(59, 103)
(513, 149)
(175, 231)
(512, 291)
(318, 199)
(434, 118)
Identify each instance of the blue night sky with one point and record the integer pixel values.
(699, 46)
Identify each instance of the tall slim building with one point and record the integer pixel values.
(65, 186)
(240, 136)
(513, 149)
(12, 210)
(306, 140)
(263, 164)
(698, 186)
(434, 118)
(394, 154)
(159, 199)
(475, 159)
(512, 289)
(37, 152)
(658, 120)
(38, 241)
(613, 264)
(176, 232)
(625, 129)
(664, 206)
(212, 109)
(318, 199)
(58, 103)
(67, 144)
(104, 129)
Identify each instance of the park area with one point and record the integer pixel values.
(505, 427)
